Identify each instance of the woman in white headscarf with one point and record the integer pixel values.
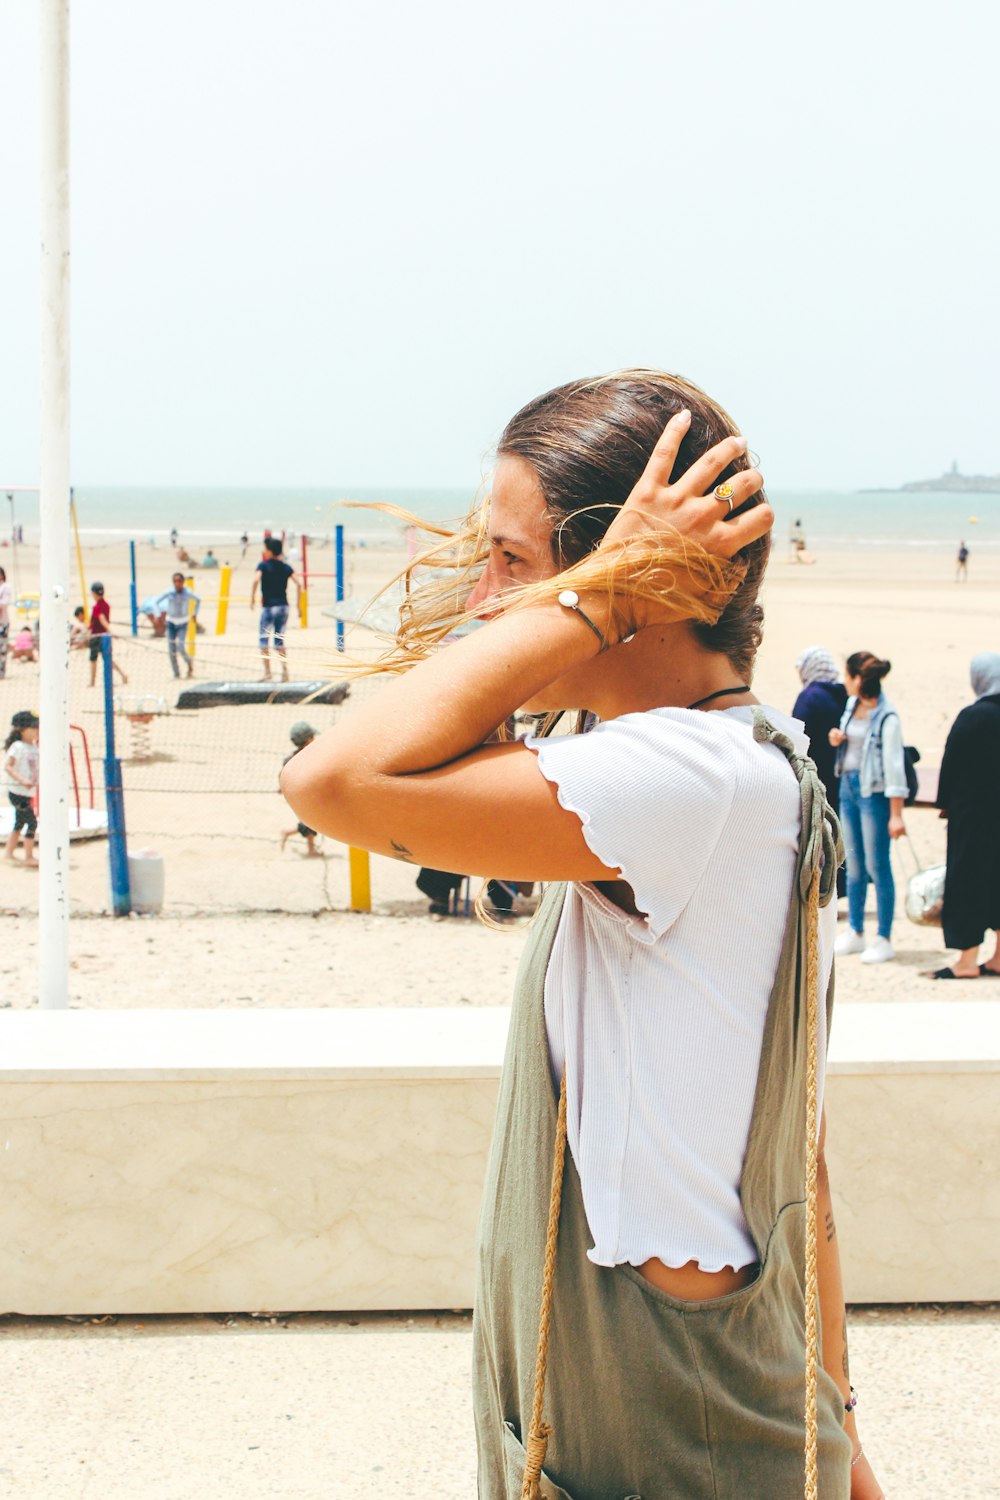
(820, 707)
(969, 797)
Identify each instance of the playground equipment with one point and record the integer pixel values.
(85, 820)
(228, 694)
(26, 605)
(140, 712)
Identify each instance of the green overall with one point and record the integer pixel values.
(649, 1395)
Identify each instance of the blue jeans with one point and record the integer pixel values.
(176, 644)
(273, 617)
(865, 821)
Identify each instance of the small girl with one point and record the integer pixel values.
(20, 766)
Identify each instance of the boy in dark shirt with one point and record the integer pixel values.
(274, 576)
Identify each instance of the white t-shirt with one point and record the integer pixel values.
(856, 731)
(5, 603)
(660, 1018)
(25, 758)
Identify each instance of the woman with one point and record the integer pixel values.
(688, 816)
(872, 774)
(820, 706)
(969, 798)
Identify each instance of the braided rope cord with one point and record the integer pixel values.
(812, 1163)
(539, 1431)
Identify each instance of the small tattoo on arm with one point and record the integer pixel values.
(400, 851)
(831, 1228)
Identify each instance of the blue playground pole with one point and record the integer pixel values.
(133, 591)
(121, 895)
(340, 584)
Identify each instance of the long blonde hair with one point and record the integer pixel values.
(588, 442)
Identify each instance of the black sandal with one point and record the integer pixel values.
(947, 973)
(988, 973)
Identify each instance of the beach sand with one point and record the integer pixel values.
(246, 923)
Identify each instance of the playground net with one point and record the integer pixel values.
(201, 783)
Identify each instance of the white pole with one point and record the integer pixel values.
(53, 978)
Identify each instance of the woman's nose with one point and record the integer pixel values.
(484, 594)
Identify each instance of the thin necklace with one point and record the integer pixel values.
(722, 693)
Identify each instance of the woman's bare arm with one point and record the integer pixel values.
(407, 773)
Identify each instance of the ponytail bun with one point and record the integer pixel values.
(871, 669)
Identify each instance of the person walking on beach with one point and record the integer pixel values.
(962, 563)
(6, 600)
(274, 575)
(20, 765)
(969, 797)
(618, 569)
(176, 604)
(301, 735)
(100, 625)
(873, 792)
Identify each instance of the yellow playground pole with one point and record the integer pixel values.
(220, 619)
(192, 634)
(304, 608)
(84, 596)
(361, 879)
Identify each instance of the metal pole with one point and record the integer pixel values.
(114, 798)
(79, 550)
(340, 584)
(133, 591)
(54, 506)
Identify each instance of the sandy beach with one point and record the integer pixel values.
(246, 923)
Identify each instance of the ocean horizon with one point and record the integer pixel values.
(835, 520)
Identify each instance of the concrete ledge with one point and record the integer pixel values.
(199, 1161)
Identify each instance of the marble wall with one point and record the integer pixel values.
(197, 1162)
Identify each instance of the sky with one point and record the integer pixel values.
(330, 244)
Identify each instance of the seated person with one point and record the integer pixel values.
(210, 560)
(24, 647)
(79, 633)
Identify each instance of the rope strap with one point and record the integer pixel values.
(812, 1162)
(539, 1431)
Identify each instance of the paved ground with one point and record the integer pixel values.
(378, 1406)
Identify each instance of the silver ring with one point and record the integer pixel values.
(724, 491)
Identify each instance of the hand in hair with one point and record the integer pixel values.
(689, 506)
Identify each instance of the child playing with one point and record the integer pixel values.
(301, 735)
(20, 764)
(100, 624)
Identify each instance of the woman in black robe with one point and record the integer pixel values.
(969, 796)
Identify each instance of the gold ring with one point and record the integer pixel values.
(725, 492)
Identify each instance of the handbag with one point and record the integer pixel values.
(924, 892)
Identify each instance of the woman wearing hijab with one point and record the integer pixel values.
(820, 706)
(969, 797)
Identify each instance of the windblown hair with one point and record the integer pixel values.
(871, 669)
(588, 442)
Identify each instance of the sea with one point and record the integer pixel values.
(830, 519)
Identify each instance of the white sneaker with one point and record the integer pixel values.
(878, 952)
(849, 942)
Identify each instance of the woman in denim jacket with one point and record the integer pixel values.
(873, 791)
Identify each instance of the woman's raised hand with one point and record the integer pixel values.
(692, 506)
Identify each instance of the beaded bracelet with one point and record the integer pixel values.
(852, 1403)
